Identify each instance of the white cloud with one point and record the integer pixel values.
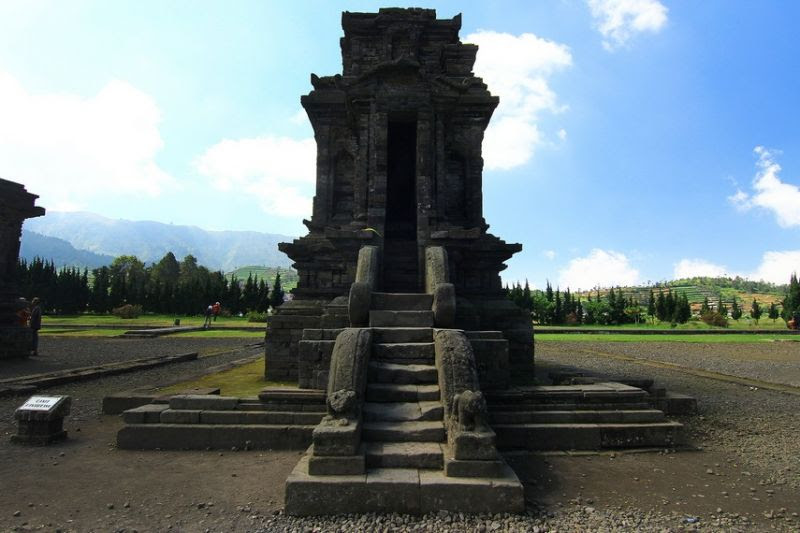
(619, 20)
(600, 268)
(278, 171)
(300, 117)
(690, 268)
(777, 267)
(550, 254)
(69, 149)
(517, 68)
(562, 134)
(769, 192)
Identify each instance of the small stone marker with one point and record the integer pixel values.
(41, 420)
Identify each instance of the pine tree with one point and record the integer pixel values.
(705, 308)
(661, 306)
(773, 312)
(755, 311)
(527, 301)
(276, 298)
(736, 309)
(651, 306)
(721, 309)
(791, 303)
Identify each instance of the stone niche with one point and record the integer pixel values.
(399, 166)
(16, 204)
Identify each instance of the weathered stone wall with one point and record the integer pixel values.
(16, 204)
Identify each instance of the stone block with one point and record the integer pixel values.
(473, 445)
(145, 414)
(393, 490)
(336, 465)
(202, 402)
(472, 495)
(458, 468)
(40, 420)
(171, 416)
(337, 440)
(318, 495)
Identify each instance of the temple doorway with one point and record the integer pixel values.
(401, 269)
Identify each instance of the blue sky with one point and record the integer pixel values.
(636, 140)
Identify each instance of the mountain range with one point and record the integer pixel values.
(91, 240)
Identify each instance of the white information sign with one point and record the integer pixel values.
(40, 403)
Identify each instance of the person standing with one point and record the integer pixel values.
(208, 313)
(36, 325)
(216, 308)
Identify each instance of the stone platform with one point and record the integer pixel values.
(400, 490)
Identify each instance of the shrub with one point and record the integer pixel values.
(254, 316)
(127, 311)
(712, 318)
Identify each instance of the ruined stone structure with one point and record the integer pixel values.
(16, 204)
(399, 331)
(399, 167)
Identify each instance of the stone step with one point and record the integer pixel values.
(171, 416)
(404, 351)
(400, 301)
(402, 411)
(568, 406)
(425, 431)
(383, 372)
(390, 392)
(401, 319)
(577, 416)
(405, 455)
(484, 335)
(402, 335)
(214, 436)
(401, 490)
(607, 392)
(587, 436)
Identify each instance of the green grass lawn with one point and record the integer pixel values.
(765, 324)
(144, 320)
(221, 333)
(245, 380)
(703, 339)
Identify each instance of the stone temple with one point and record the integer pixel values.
(399, 168)
(413, 367)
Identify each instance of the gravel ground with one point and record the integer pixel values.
(745, 478)
(771, 361)
(759, 426)
(60, 353)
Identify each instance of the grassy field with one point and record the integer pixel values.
(144, 320)
(702, 339)
(245, 380)
(207, 334)
(765, 324)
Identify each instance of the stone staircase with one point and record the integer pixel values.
(403, 436)
(579, 417)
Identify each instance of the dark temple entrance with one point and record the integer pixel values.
(400, 248)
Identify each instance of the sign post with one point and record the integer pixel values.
(40, 420)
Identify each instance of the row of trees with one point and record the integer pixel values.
(563, 308)
(167, 286)
(736, 310)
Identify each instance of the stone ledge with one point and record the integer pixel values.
(401, 490)
(215, 437)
